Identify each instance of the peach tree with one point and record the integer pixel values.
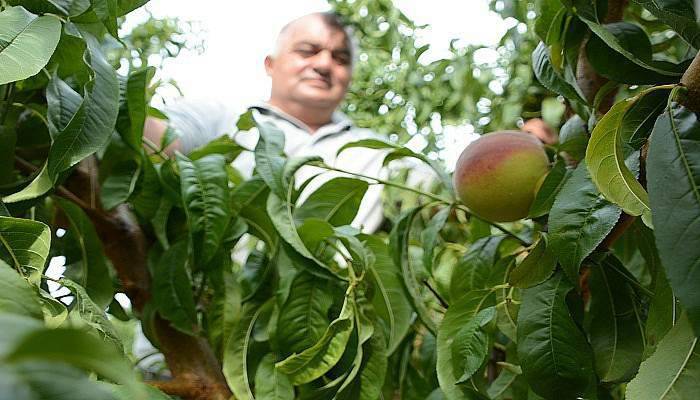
(262, 288)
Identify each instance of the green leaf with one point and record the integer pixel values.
(270, 384)
(249, 201)
(429, 236)
(390, 302)
(476, 267)
(148, 194)
(223, 145)
(579, 221)
(400, 152)
(281, 214)
(399, 248)
(93, 314)
(172, 289)
(605, 159)
(92, 124)
(616, 328)
(336, 201)
(107, 12)
(39, 186)
(318, 359)
(50, 380)
(304, 317)
(24, 244)
(471, 345)
(62, 104)
(573, 138)
(120, 184)
(17, 295)
(95, 272)
(70, 8)
(679, 15)
(545, 73)
(673, 176)
(236, 362)
(26, 43)
(550, 188)
(639, 119)
(536, 267)
(554, 355)
(627, 49)
(137, 103)
(662, 312)
(460, 312)
(205, 195)
(269, 158)
(672, 371)
(77, 348)
(617, 67)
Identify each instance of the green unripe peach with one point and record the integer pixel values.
(498, 175)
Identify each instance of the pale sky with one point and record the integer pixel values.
(240, 34)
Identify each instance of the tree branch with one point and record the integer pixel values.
(691, 80)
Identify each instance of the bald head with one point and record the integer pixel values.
(310, 68)
(329, 19)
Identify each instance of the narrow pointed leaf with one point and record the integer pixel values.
(554, 355)
(673, 176)
(672, 371)
(616, 326)
(336, 201)
(318, 359)
(172, 289)
(579, 220)
(205, 195)
(270, 384)
(95, 273)
(390, 301)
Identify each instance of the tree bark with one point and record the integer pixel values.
(691, 80)
(197, 373)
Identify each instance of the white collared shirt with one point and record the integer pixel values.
(200, 122)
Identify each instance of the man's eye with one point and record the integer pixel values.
(306, 52)
(343, 59)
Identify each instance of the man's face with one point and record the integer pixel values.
(313, 65)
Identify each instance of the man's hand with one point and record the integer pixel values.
(153, 130)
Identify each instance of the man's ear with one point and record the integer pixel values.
(269, 65)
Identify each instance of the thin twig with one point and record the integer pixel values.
(436, 294)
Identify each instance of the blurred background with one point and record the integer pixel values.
(430, 75)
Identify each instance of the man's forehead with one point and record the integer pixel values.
(311, 29)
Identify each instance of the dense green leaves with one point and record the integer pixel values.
(476, 268)
(205, 195)
(399, 248)
(325, 353)
(673, 177)
(547, 75)
(671, 372)
(553, 352)
(304, 317)
(536, 267)
(93, 122)
(578, 221)
(172, 288)
(26, 43)
(679, 15)
(458, 315)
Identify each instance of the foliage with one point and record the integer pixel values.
(595, 296)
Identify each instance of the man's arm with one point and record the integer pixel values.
(153, 130)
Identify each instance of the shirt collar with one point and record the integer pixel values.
(339, 121)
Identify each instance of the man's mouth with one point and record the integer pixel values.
(318, 82)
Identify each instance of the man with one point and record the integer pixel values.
(310, 70)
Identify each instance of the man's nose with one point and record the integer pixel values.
(323, 61)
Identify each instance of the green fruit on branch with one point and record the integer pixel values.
(498, 175)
